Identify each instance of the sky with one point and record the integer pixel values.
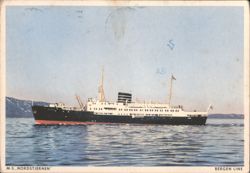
(53, 53)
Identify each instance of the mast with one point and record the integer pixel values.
(170, 89)
(100, 89)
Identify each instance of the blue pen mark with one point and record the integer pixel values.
(170, 44)
(161, 70)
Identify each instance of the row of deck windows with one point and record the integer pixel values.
(105, 113)
(106, 103)
(147, 110)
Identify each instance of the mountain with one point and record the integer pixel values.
(226, 116)
(16, 108)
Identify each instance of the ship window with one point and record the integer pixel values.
(135, 109)
(109, 108)
(176, 111)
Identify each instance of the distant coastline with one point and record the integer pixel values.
(17, 108)
(226, 116)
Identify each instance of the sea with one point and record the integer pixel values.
(219, 143)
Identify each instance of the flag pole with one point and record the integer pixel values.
(170, 89)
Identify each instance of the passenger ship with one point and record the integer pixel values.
(123, 111)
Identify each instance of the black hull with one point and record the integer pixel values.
(49, 115)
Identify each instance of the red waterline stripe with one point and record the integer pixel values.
(49, 122)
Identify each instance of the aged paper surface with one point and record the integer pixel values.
(51, 50)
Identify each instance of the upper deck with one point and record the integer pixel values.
(138, 109)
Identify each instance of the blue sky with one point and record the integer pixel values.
(55, 52)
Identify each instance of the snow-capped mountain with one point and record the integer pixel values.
(20, 108)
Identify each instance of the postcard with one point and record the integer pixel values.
(124, 86)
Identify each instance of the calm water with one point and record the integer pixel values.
(220, 142)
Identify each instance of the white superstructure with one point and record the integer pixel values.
(125, 106)
(138, 109)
